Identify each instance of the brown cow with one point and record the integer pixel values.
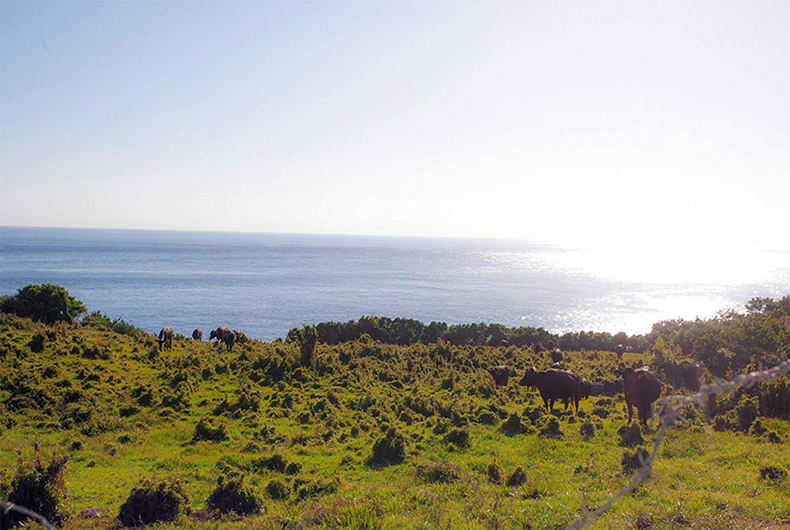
(223, 334)
(197, 334)
(641, 388)
(500, 375)
(241, 338)
(553, 384)
(165, 338)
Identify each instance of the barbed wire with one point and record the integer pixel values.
(10, 506)
(670, 408)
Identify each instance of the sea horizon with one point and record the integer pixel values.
(268, 283)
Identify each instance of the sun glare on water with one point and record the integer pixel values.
(679, 264)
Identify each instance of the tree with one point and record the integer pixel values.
(46, 303)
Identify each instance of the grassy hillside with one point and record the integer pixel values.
(368, 436)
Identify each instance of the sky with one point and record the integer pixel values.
(612, 122)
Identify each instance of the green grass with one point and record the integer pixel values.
(324, 420)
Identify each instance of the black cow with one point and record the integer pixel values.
(619, 349)
(641, 388)
(223, 334)
(556, 355)
(165, 338)
(553, 384)
(585, 388)
(500, 375)
(197, 334)
(612, 388)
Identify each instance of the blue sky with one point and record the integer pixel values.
(611, 122)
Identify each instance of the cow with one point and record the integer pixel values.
(197, 335)
(585, 388)
(165, 338)
(612, 388)
(553, 384)
(618, 350)
(500, 375)
(241, 338)
(641, 388)
(556, 355)
(223, 334)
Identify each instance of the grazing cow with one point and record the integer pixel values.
(197, 335)
(241, 338)
(585, 388)
(553, 384)
(223, 334)
(612, 388)
(165, 338)
(641, 389)
(556, 355)
(596, 389)
(500, 375)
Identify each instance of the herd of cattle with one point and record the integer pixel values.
(640, 387)
(222, 334)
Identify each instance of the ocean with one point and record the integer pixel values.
(266, 284)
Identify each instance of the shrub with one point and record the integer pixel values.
(458, 437)
(38, 485)
(277, 489)
(513, 425)
(443, 472)
(232, 495)
(205, 430)
(746, 411)
(37, 343)
(152, 502)
(633, 461)
(587, 430)
(772, 473)
(391, 449)
(314, 488)
(517, 478)
(494, 473)
(551, 428)
(46, 303)
(630, 435)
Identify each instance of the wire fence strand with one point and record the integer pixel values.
(670, 412)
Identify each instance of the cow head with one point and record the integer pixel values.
(529, 377)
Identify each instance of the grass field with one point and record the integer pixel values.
(369, 436)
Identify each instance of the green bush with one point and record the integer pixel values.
(494, 473)
(46, 303)
(513, 425)
(205, 430)
(587, 430)
(152, 502)
(746, 411)
(442, 472)
(277, 489)
(38, 485)
(630, 435)
(517, 478)
(391, 449)
(631, 462)
(232, 495)
(458, 437)
(551, 428)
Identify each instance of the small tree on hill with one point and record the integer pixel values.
(46, 303)
(307, 337)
